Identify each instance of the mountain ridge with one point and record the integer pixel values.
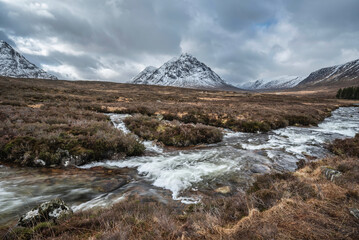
(280, 82)
(338, 74)
(185, 71)
(13, 64)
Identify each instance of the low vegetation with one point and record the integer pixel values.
(346, 147)
(172, 133)
(348, 93)
(299, 205)
(51, 136)
(58, 121)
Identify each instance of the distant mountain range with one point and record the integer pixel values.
(281, 82)
(185, 71)
(345, 73)
(13, 64)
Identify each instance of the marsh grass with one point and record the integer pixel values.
(58, 134)
(172, 133)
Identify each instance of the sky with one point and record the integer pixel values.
(113, 40)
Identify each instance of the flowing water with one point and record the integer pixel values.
(169, 173)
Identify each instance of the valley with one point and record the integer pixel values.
(278, 134)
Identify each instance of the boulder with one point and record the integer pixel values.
(51, 210)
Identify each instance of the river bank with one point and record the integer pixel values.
(277, 206)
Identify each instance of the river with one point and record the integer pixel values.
(167, 173)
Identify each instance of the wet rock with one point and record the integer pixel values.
(330, 173)
(39, 162)
(354, 212)
(258, 168)
(51, 210)
(223, 190)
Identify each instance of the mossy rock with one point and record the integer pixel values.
(47, 211)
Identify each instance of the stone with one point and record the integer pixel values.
(330, 173)
(39, 162)
(354, 212)
(259, 168)
(47, 211)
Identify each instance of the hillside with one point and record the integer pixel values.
(341, 75)
(281, 82)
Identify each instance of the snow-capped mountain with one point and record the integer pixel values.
(345, 73)
(185, 71)
(13, 64)
(281, 82)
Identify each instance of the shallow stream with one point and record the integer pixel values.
(167, 174)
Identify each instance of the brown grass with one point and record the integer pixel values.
(346, 147)
(37, 112)
(236, 110)
(172, 133)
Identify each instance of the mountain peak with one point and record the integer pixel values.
(3, 44)
(13, 64)
(185, 56)
(184, 71)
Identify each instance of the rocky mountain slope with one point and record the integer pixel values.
(13, 64)
(281, 82)
(185, 71)
(347, 73)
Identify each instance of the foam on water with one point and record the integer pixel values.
(239, 152)
(117, 120)
(179, 170)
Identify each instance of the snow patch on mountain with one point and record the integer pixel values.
(13, 64)
(185, 71)
(281, 82)
(328, 75)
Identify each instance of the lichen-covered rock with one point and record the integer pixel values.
(51, 210)
(330, 173)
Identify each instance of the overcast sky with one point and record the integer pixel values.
(241, 40)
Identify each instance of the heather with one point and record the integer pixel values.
(172, 133)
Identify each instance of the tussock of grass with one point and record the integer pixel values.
(172, 133)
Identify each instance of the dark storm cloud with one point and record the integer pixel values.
(241, 40)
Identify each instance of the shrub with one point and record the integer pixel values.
(78, 137)
(347, 147)
(172, 133)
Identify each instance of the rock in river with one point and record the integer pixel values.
(51, 210)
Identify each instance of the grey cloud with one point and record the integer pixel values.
(243, 40)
